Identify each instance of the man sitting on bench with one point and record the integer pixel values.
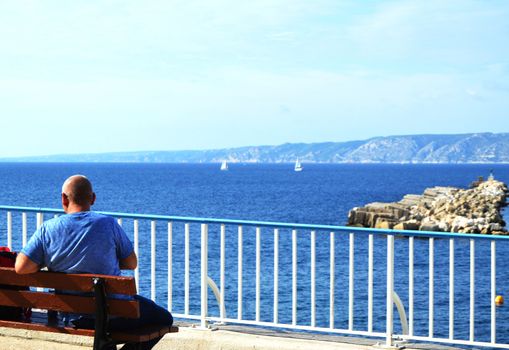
(83, 241)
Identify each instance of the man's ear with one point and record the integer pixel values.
(65, 200)
(93, 199)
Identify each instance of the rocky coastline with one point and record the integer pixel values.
(446, 209)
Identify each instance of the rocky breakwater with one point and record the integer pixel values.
(446, 209)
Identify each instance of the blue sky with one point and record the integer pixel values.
(106, 76)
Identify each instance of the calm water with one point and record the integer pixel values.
(321, 194)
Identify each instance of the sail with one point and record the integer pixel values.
(224, 165)
(298, 166)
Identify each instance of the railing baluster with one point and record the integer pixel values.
(222, 271)
(170, 265)
(351, 272)
(9, 230)
(24, 229)
(137, 252)
(186, 268)
(472, 289)
(257, 276)
(313, 278)
(239, 274)
(39, 219)
(370, 283)
(431, 285)
(493, 291)
(153, 260)
(204, 274)
(390, 290)
(276, 275)
(411, 286)
(332, 280)
(451, 288)
(294, 277)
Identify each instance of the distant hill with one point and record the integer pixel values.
(462, 148)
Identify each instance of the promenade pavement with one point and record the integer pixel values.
(223, 338)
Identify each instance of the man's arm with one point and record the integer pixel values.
(24, 265)
(129, 263)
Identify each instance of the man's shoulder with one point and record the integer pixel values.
(77, 217)
(100, 217)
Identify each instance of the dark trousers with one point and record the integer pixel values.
(150, 313)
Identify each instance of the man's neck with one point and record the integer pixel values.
(72, 209)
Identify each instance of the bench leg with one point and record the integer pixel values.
(102, 340)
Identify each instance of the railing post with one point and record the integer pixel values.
(170, 265)
(257, 274)
(222, 267)
(351, 285)
(313, 278)
(9, 230)
(186, 268)
(153, 260)
(451, 289)
(370, 283)
(472, 290)
(332, 274)
(204, 274)
(137, 251)
(239, 273)
(294, 277)
(390, 289)
(24, 229)
(276, 275)
(40, 219)
(411, 286)
(431, 297)
(493, 291)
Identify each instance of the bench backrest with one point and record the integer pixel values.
(83, 283)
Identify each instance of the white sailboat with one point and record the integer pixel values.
(224, 166)
(298, 166)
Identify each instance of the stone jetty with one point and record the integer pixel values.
(446, 209)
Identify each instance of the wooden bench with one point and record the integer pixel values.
(94, 303)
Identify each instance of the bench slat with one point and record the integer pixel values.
(63, 281)
(67, 303)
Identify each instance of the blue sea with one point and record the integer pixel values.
(321, 194)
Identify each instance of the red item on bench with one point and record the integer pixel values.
(8, 259)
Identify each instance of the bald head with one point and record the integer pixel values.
(77, 189)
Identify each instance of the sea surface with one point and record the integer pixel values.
(321, 194)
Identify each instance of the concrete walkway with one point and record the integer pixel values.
(233, 338)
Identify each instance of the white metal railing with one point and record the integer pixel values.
(292, 276)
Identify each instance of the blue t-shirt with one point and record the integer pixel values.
(84, 242)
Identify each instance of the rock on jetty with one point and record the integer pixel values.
(446, 209)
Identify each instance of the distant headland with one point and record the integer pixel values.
(408, 149)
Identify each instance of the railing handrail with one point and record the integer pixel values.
(335, 228)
